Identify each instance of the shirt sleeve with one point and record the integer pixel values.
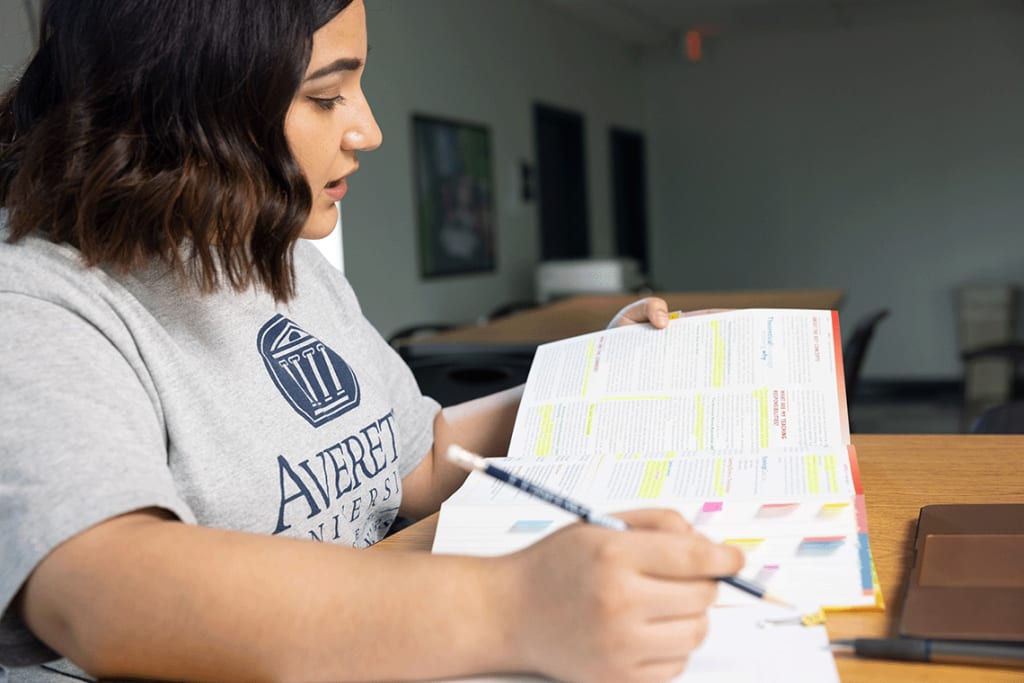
(83, 441)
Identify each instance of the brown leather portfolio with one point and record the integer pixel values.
(967, 580)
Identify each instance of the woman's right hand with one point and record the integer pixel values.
(602, 605)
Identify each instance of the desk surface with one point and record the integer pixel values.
(588, 313)
(900, 474)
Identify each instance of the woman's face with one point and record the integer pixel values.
(330, 120)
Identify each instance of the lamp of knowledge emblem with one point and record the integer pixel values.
(317, 383)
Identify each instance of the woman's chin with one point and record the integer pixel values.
(321, 224)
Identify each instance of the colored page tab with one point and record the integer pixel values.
(820, 545)
(773, 510)
(829, 510)
(744, 544)
(708, 511)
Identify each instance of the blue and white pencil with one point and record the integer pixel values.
(471, 461)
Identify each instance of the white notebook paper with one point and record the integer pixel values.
(739, 650)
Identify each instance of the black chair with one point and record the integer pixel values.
(419, 329)
(855, 350)
(1006, 418)
(453, 376)
(1012, 353)
(1009, 351)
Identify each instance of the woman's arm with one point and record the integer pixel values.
(142, 596)
(484, 426)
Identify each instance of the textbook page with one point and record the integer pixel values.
(741, 647)
(804, 546)
(742, 381)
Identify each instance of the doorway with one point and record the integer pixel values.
(562, 183)
(629, 195)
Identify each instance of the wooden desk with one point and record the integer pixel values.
(588, 313)
(900, 474)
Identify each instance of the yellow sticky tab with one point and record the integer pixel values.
(815, 619)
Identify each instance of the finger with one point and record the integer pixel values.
(686, 555)
(661, 600)
(656, 311)
(655, 518)
(675, 639)
(661, 670)
(627, 315)
(650, 309)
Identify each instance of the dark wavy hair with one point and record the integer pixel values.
(141, 126)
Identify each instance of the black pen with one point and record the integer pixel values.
(939, 651)
(471, 461)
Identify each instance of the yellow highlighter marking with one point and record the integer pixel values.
(654, 479)
(546, 432)
(813, 474)
(589, 367)
(698, 427)
(762, 416)
(718, 355)
(830, 472)
(717, 485)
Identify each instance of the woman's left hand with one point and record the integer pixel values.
(652, 309)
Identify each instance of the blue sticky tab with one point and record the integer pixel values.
(529, 526)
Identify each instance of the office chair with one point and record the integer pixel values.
(466, 372)
(855, 350)
(406, 333)
(998, 393)
(1006, 418)
(1010, 351)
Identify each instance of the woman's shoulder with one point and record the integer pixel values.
(34, 263)
(55, 274)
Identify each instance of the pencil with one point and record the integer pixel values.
(471, 461)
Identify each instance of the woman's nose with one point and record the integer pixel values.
(364, 134)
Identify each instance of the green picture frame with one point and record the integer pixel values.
(454, 179)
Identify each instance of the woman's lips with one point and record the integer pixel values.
(336, 189)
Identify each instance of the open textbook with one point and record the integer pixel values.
(736, 419)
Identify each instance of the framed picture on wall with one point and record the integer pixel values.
(454, 196)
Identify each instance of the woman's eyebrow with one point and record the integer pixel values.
(343, 64)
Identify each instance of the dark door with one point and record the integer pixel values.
(562, 182)
(629, 195)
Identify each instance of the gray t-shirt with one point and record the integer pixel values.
(122, 392)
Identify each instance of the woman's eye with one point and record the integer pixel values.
(327, 103)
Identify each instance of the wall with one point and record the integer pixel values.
(885, 157)
(16, 37)
(485, 62)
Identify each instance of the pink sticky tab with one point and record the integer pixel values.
(776, 509)
(714, 506)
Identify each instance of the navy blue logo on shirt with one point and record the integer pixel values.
(318, 384)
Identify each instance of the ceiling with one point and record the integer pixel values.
(653, 23)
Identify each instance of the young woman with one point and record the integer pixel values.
(191, 395)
